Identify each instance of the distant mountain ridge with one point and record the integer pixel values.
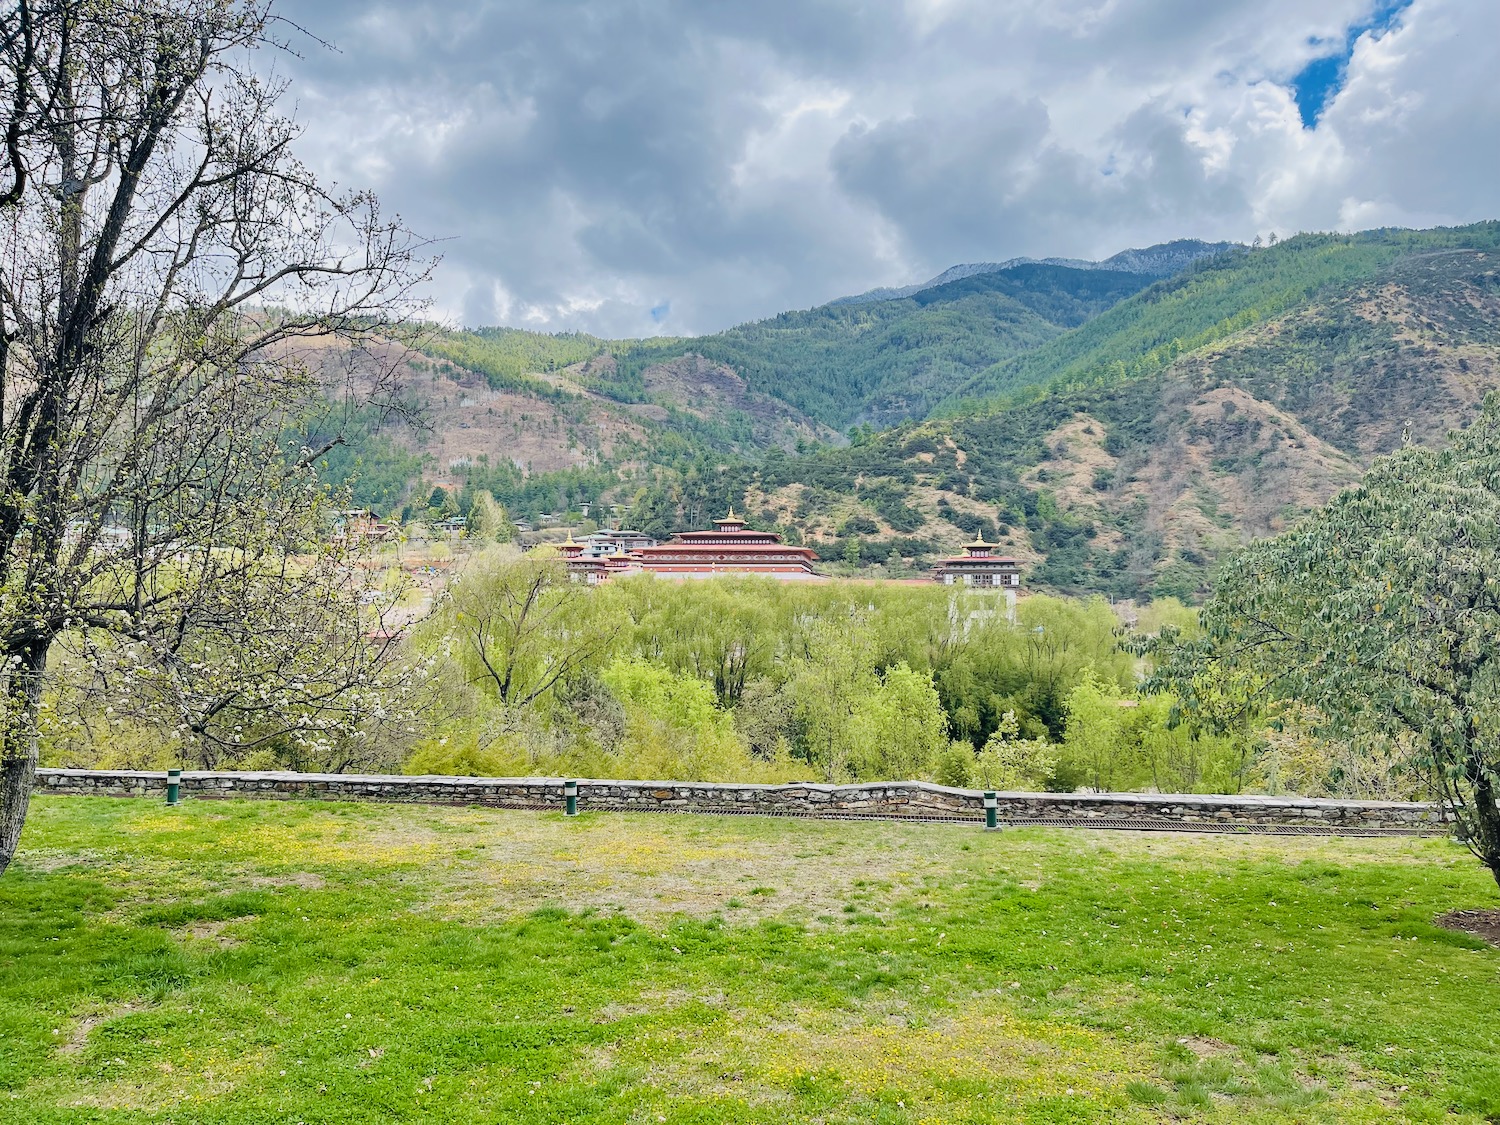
(1162, 260)
(1119, 431)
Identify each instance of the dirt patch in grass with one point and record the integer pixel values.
(935, 1063)
(47, 863)
(166, 1085)
(1483, 924)
(654, 867)
(78, 1038)
(653, 1002)
(214, 931)
(1203, 1047)
(307, 880)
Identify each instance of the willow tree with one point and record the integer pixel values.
(165, 263)
(1382, 612)
(520, 627)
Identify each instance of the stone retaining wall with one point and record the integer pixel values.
(910, 798)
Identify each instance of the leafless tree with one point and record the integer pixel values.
(166, 265)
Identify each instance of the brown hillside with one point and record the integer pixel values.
(1231, 442)
(714, 392)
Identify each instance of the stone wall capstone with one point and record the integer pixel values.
(887, 798)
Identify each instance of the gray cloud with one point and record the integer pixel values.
(635, 166)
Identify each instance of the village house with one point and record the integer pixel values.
(360, 526)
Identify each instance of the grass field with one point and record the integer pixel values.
(285, 962)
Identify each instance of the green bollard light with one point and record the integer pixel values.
(991, 804)
(174, 786)
(570, 791)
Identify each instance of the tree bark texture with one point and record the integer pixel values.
(1485, 827)
(166, 265)
(18, 756)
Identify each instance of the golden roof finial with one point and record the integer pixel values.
(570, 542)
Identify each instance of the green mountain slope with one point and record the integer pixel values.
(1127, 436)
(889, 361)
(1209, 301)
(1133, 477)
(877, 362)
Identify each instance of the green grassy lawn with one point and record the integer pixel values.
(284, 962)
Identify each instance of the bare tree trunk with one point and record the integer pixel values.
(18, 750)
(1484, 828)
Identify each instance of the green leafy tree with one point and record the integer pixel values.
(1381, 611)
(954, 765)
(488, 520)
(519, 626)
(766, 718)
(719, 631)
(993, 665)
(684, 701)
(898, 730)
(827, 691)
(1094, 747)
(1176, 757)
(1295, 759)
(1011, 762)
(675, 727)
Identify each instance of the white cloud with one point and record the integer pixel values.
(592, 162)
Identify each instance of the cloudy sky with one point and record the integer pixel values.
(630, 167)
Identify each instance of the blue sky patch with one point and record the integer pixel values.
(1320, 80)
(659, 312)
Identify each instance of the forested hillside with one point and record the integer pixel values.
(1154, 261)
(1210, 301)
(891, 361)
(880, 362)
(1116, 432)
(1132, 477)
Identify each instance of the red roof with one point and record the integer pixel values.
(732, 548)
(727, 547)
(726, 537)
(986, 560)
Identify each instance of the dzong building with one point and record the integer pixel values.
(729, 549)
